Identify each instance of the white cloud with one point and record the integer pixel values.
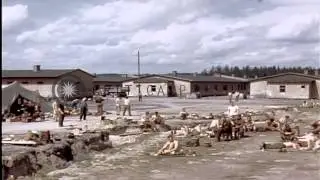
(13, 15)
(33, 54)
(175, 34)
(305, 27)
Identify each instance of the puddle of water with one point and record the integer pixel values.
(228, 158)
(274, 172)
(282, 160)
(261, 161)
(217, 154)
(155, 171)
(193, 162)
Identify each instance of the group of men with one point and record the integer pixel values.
(59, 110)
(25, 109)
(125, 104)
(234, 95)
(151, 122)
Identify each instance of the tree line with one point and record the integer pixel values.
(251, 72)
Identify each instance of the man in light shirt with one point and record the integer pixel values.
(127, 106)
(237, 94)
(55, 110)
(118, 105)
(233, 110)
(230, 97)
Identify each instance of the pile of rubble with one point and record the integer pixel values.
(48, 152)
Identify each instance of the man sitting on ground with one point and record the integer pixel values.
(287, 133)
(147, 123)
(171, 147)
(316, 127)
(157, 119)
(271, 125)
(183, 114)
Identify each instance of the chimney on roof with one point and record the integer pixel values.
(306, 72)
(36, 68)
(316, 72)
(195, 74)
(174, 73)
(125, 75)
(245, 76)
(256, 77)
(232, 75)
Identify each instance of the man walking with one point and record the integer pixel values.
(55, 110)
(230, 97)
(233, 110)
(140, 96)
(83, 109)
(118, 105)
(60, 114)
(127, 106)
(99, 102)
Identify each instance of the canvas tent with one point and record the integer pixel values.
(15, 90)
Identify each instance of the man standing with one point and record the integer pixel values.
(60, 112)
(55, 110)
(127, 106)
(118, 105)
(230, 97)
(237, 94)
(233, 110)
(99, 102)
(83, 109)
(140, 96)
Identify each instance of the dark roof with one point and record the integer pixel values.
(192, 78)
(43, 73)
(288, 78)
(203, 78)
(152, 80)
(111, 79)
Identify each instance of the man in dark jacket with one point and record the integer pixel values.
(61, 114)
(83, 109)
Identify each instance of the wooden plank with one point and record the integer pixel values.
(19, 142)
(130, 134)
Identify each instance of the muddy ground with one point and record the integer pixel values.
(233, 160)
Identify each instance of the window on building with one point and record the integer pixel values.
(231, 87)
(215, 87)
(196, 88)
(282, 88)
(25, 82)
(303, 86)
(206, 88)
(225, 87)
(153, 88)
(40, 82)
(239, 87)
(244, 86)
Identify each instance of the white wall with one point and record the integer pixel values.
(45, 90)
(318, 88)
(293, 91)
(258, 88)
(161, 89)
(185, 87)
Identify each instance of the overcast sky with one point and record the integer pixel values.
(103, 36)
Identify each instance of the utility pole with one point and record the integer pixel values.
(139, 93)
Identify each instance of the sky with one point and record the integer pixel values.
(104, 36)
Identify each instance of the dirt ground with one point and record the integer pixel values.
(233, 160)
